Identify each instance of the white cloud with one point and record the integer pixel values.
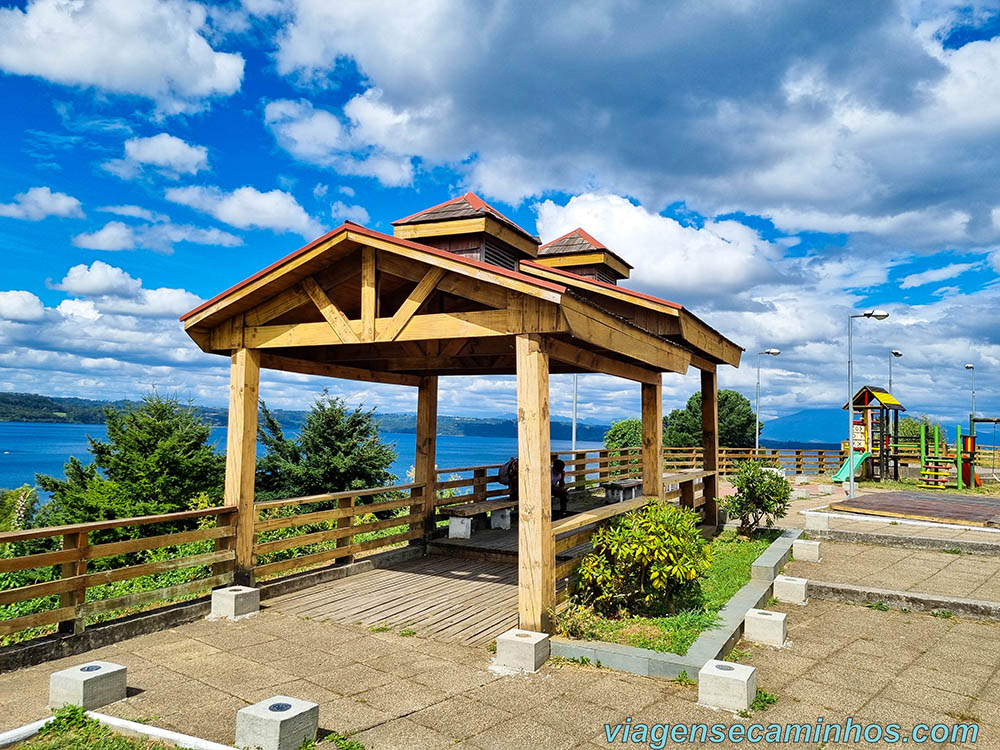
(931, 275)
(135, 212)
(162, 302)
(357, 214)
(20, 306)
(79, 308)
(171, 156)
(247, 207)
(115, 235)
(99, 279)
(39, 202)
(151, 48)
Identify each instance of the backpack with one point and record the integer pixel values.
(507, 474)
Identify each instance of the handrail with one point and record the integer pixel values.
(117, 523)
(268, 504)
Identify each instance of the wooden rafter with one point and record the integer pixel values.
(411, 304)
(334, 316)
(306, 367)
(594, 362)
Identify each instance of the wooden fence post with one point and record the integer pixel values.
(478, 485)
(798, 462)
(346, 523)
(78, 541)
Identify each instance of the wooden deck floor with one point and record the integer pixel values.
(445, 598)
(944, 507)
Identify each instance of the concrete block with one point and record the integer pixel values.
(818, 521)
(459, 528)
(726, 685)
(500, 519)
(522, 650)
(791, 590)
(800, 493)
(278, 723)
(806, 550)
(802, 479)
(232, 602)
(761, 626)
(91, 685)
(825, 489)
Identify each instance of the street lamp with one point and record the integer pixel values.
(878, 315)
(894, 353)
(756, 408)
(972, 368)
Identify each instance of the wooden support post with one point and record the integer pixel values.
(603, 465)
(241, 455)
(478, 485)
(78, 567)
(346, 523)
(536, 547)
(798, 462)
(424, 466)
(652, 440)
(368, 294)
(710, 443)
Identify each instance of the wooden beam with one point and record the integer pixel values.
(369, 295)
(702, 336)
(710, 443)
(652, 440)
(536, 546)
(425, 461)
(241, 454)
(594, 362)
(307, 367)
(432, 326)
(411, 304)
(295, 296)
(477, 290)
(607, 332)
(334, 316)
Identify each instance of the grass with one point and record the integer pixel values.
(73, 730)
(729, 572)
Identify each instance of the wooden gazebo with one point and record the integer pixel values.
(459, 290)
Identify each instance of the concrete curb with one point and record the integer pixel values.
(711, 644)
(913, 601)
(130, 728)
(907, 542)
(57, 646)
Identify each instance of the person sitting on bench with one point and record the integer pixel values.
(559, 486)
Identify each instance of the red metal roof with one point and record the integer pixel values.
(580, 233)
(477, 204)
(612, 287)
(358, 229)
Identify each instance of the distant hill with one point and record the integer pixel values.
(31, 407)
(807, 426)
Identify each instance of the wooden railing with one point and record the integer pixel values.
(303, 532)
(72, 561)
(799, 461)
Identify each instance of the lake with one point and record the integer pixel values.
(27, 448)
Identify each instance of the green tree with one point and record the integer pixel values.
(336, 450)
(910, 427)
(157, 459)
(682, 427)
(624, 433)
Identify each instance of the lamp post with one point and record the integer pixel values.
(576, 384)
(892, 355)
(877, 315)
(756, 408)
(972, 368)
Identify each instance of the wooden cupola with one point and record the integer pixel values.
(470, 227)
(579, 253)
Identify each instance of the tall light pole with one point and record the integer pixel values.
(878, 315)
(972, 368)
(892, 355)
(576, 379)
(756, 408)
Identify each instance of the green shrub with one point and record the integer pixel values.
(642, 560)
(761, 497)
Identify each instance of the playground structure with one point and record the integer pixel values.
(937, 466)
(878, 446)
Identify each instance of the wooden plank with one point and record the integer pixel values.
(307, 561)
(323, 369)
(118, 523)
(156, 542)
(334, 316)
(74, 570)
(411, 304)
(477, 290)
(369, 293)
(710, 442)
(275, 307)
(589, 517)
(39, 560)
(652, 440)
(241, 454)
(425, 458)
(475, 509)
(48, 617)
(536, 553)
(305, 519)
(307, 499)
(594, 362)
(142, 598)
(341, 532)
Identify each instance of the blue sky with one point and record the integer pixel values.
(772, 172)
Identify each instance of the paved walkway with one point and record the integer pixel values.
(970, 576)
(398, 692)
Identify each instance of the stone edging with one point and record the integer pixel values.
(711, 644)
(913, 601)
(907, 542)
(130, 728)
(57, 646)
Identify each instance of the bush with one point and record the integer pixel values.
(642, 560)
(761, 497)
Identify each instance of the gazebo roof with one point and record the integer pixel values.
(870, 396)
(356, 303)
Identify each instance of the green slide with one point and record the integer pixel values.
(842, 475)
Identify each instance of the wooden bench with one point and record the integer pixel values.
(462, 517)
(619, 490)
